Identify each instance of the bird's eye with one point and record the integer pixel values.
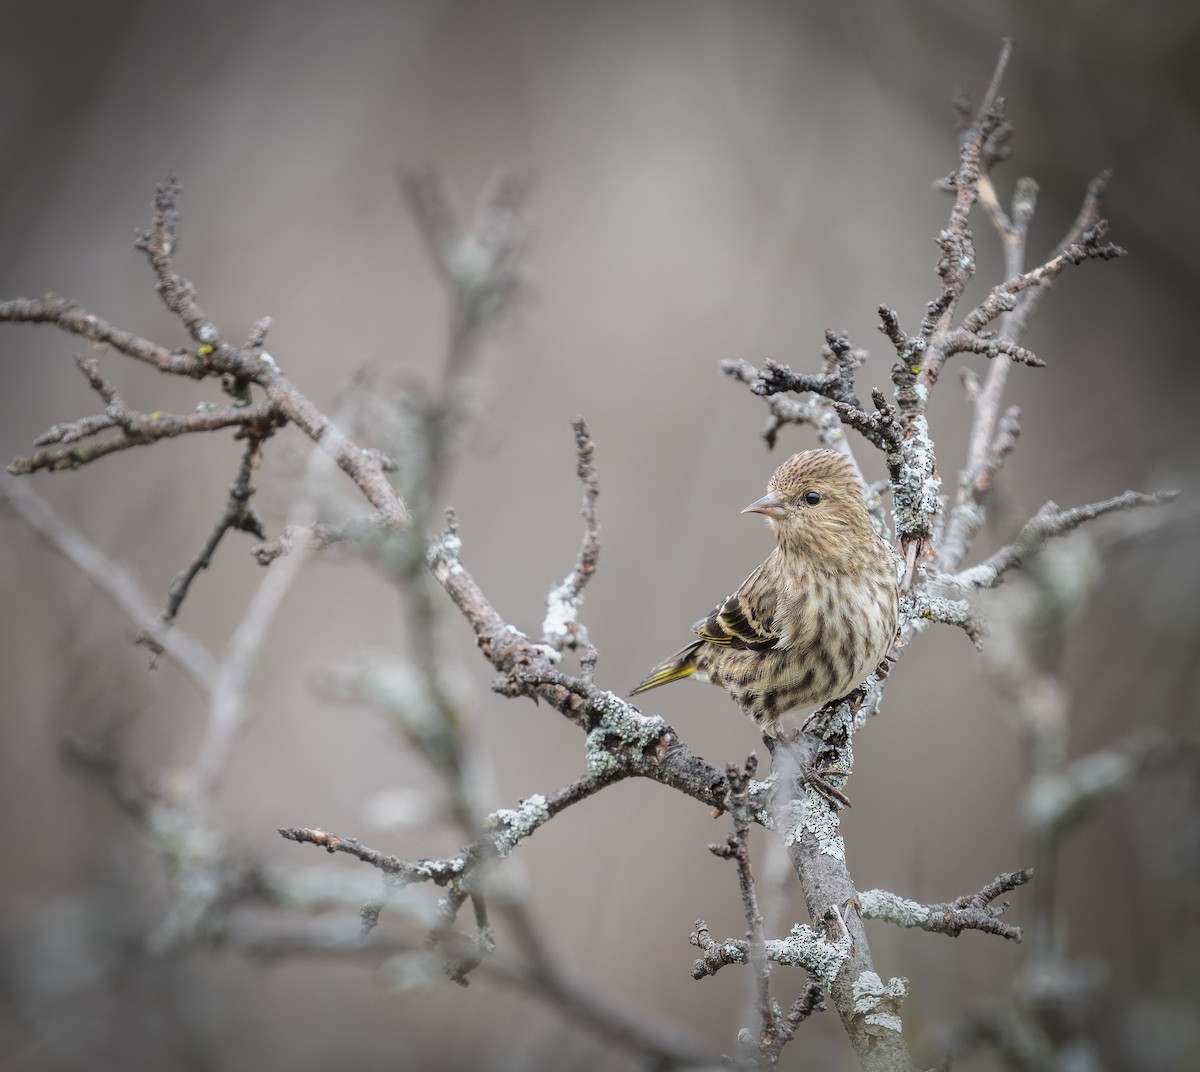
(812, 497)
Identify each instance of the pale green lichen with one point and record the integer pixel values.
(431, 870)
(981, 576)
(508, 826)
(878, 1003)
(1053, 797)
(916, 493)
(443, 555)
(759, 794)
(621, 721)
(805, 948)
(873, 697)
(736, 954)
(811, 817)
(821, 822)
(561, 624)
(880, 904)
(922, 606)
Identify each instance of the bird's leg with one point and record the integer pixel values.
(799, 760)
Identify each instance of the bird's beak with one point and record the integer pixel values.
(769, 504)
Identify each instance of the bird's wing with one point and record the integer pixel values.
(680, 665)
(745, 619)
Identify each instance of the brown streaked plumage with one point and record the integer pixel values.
(817, 617)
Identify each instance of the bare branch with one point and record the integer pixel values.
(947, 343)
(71, 317)
(835, 383)
(620, 738)
(880, 427)
(158, 243)
(237, 367)
(258, 334)
(1002, 298)
(786, 409)
(237, 514)
(389, 865)
(503, 831)
(993, 434)
(137, 429)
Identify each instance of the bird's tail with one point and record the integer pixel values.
(680, 665)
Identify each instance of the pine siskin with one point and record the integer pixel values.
(816, 617)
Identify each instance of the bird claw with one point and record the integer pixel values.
(813, 777)
(831, 794)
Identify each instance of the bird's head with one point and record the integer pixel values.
(814, 505)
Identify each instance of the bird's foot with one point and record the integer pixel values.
(815, 779)
(792, 761)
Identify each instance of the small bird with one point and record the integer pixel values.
(817, 617)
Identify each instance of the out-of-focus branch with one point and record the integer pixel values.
(481, 268)
(994, 429)
(1048, 522)
(228, 712)
(354, 534)
(237, 367)
(1056, 800)
(656, 1036)
(111, 578)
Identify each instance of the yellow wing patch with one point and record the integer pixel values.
(664, 675)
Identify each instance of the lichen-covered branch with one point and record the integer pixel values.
(561, 628)
(972, 912)
(807, 822)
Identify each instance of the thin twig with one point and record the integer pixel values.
(561, 627)
(237, 514)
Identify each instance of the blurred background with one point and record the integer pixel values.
(715, 180)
